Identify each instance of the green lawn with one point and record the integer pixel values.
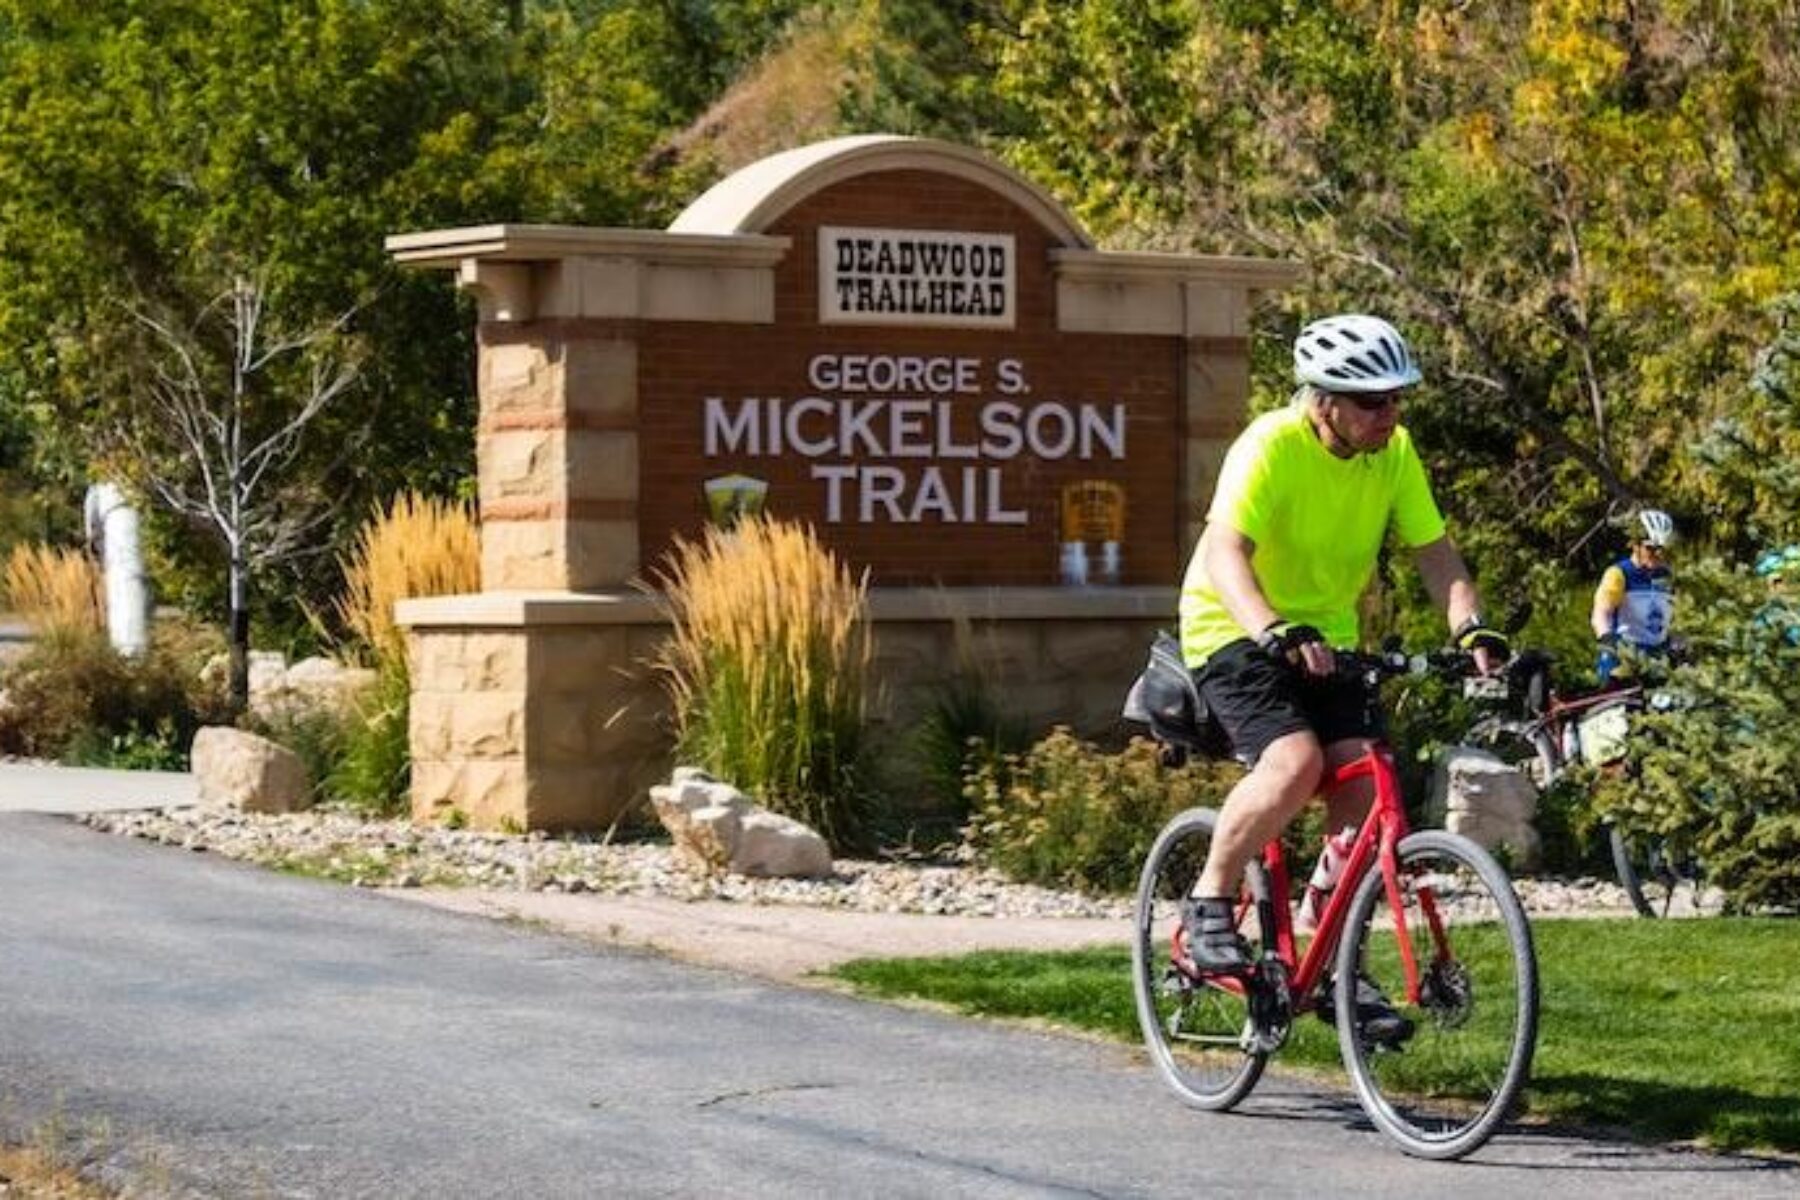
(1673, 1030)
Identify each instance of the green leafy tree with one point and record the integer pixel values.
(147, 146)
(140, 143)
(1579, 210)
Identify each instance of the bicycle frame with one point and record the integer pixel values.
(1376, 846)
(1563, 711)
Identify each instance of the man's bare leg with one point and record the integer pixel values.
(1258, 808)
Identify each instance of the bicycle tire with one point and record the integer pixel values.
(1447, 1089)
(1652, 881)
(1198, 1035)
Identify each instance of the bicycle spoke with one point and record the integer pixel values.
(1198, 1032)
(1472, 1001)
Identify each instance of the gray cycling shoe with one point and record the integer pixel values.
(1379, 1021)
(1212, 937)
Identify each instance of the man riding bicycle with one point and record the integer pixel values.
(1635, 600)
(1303, 504)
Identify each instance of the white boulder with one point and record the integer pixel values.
(1480, 796)
(717, 828)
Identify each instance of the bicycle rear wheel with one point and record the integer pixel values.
(1658, 884)
(1199, 1032)
(1443, 1091)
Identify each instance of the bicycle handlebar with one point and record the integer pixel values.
(1394, 662)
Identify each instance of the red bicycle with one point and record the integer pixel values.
(1429, 917)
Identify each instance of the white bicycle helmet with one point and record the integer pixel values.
(1353, 353)
(1658, 526)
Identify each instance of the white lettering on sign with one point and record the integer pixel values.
(859, 441)
(915, 277)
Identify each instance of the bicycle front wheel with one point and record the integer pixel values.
(1658, 884)
(1442, 1091)
(1199, 1032)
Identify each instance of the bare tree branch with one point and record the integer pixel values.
(223, 408)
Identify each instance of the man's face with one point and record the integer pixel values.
(1366, 420)
(1647, 555)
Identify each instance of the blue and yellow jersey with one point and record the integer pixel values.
(1642, 600)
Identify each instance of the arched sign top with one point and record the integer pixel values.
(754, 198)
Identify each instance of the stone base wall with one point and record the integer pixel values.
(543, 711)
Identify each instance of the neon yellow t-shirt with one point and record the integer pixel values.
(1317, 521)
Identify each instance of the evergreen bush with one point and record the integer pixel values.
(1718, 775)
(964, 725)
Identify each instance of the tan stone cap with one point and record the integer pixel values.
(450, 248)
(630, 607)
(1143, 267)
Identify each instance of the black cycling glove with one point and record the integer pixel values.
(1474, 634)
(1280, 639)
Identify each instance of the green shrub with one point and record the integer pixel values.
(1719, 776)
(767, 669)
(963, 728)
(133, 750)
(1066, 814)
(373, 768)
(73, 697)
(316, 733)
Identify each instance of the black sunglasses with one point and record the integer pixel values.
(1374, 402)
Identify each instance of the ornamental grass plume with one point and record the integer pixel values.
(417, 546)
(767, 668)
(56, 591)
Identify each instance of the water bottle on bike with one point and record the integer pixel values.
(1325, 876)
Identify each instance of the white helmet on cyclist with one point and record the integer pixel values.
(1353, 353)
(1658, 527)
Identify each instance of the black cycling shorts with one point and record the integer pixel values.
(1257, 700)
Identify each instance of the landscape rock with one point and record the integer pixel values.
(307, 686)
(398, 854)
(320, 682)
(716, 827)
(249, 772)
(1478, 795)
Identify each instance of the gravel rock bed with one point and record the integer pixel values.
(349, 848)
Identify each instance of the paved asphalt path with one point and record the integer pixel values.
(200, 1027)
(46, 787)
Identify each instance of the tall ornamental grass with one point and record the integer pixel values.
(768, 668)
(57, 592)
(417, 546)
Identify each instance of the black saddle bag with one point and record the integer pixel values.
(1166, 699)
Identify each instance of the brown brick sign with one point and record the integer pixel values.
(900, 341)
